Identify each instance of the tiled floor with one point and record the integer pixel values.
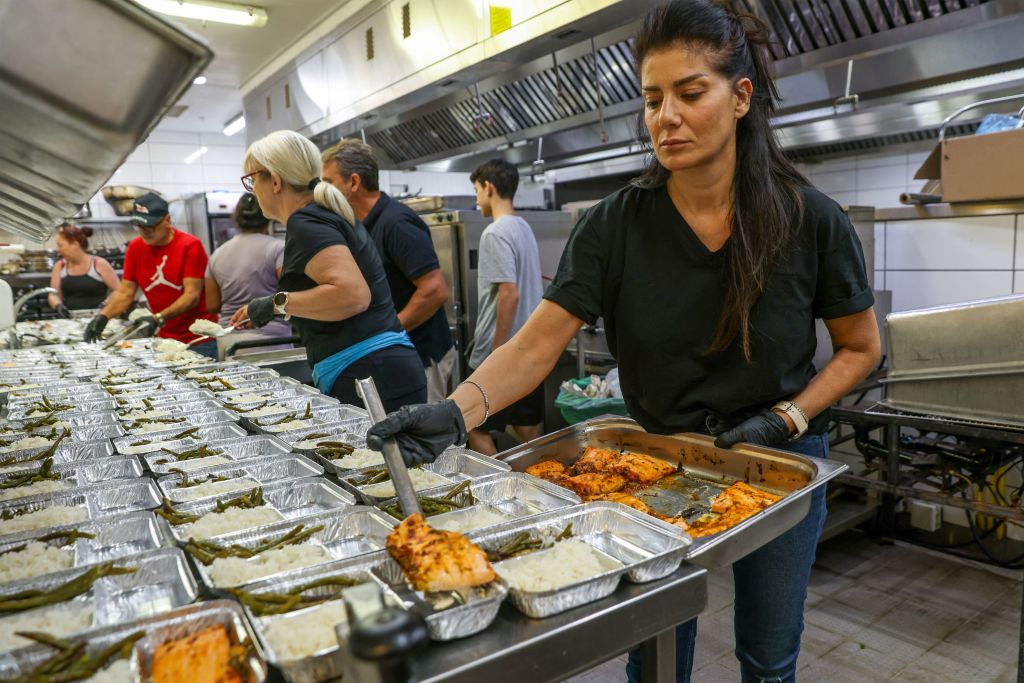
(878, 612)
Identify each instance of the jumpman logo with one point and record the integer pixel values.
(159, 279)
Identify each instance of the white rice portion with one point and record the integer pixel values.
(272, 409)
(40, 519)
(249, 397)
(471, 520)
(35, 488)
(289, 426)
(567, 562)
(168, 345)
(233, 519)
(235, 571)
(57, 620)
(151, 427)
(197, 463)
(118, 672)
(306, 633)
(144, 413)
(360, 457)
(27, 444)
(421, 479)
(205, 328)
(35, 560)
(213, 488)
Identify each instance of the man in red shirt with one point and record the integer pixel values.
(169, 266)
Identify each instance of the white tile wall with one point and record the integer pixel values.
(871, 179)
(924, 288)
(976, 243)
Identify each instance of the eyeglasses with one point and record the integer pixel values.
(249, 179)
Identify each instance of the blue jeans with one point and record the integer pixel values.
(771, 586)
(206, 348)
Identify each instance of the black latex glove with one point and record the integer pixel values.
(422, 431)
(151, 325)
(261, 310)
(94, 330)
(62, 311)
(766, 429)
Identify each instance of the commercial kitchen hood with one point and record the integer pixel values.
(570, 80)
(81, 85)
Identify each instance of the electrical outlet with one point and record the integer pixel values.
(925, 515)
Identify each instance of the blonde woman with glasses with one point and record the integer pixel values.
(332, 287)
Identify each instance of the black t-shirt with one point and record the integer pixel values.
(403, 241)
(635, 261)
(310, 230)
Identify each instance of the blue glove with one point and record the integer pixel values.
(766, 429)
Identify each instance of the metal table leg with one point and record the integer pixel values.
(1020, 638)
(892, 477)
(658, 658)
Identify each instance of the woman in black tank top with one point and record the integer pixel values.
(82, 280)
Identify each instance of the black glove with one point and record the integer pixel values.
(62, 311)
(766, 429)
(261, 310)
(94, 330)
(151, 325)
(422, 431)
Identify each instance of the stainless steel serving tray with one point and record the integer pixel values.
(262, 470)
(238, 448)
(83, 474)
(346, 533)
(114, 538)
(206, 433)
(173, 625)
(161, 582)
(293, 499)
(97, 500)
(455, 464)
(791, 475)
(644, 548)
(67, 452)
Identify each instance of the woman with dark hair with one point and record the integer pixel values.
(709, 271)
(83, 281)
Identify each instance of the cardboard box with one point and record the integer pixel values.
(977, 168)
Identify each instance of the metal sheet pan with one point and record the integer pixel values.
(207, 433)
(708, 469)
(161, 582)
(98, 501)
(238, 448)
(161, 628)
(346, 533)
(263, 470)
(293, 499)
(113, 538)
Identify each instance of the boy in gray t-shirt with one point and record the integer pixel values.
(509, 288)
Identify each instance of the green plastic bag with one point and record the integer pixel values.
(576, 409)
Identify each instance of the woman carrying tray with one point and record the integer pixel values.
(709, 271)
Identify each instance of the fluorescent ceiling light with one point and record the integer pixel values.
(195, 155)
(209, 10)
(199, 80)
(234, 125)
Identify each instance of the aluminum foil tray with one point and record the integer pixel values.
(325, 664)
(114, 538)
(67, 452)
(210, 416)
(21, 411)
(156, 389)
(206, 433)
(459, 621)
(161, 583)
(173, 625)
(333, 432)
(52, 387)
(179, 408)
(97, 500)
(75, 419)
(262, 470)
(455, 465)
(642, 548)
(704, 470)
(346, 533)
(238, 448)
(294, 499)
(227, 370)
(188, 394)
(355, 426)
(83, 474)
(320, 407)
(272, 390)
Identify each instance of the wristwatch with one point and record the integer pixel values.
(798, 416)
(280, 304)
(160, 319)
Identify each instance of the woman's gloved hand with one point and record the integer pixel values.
(766, 429)
(94, 330)
(422, 431)
(261, 310)
(62, 311)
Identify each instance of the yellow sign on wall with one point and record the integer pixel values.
(501, 18)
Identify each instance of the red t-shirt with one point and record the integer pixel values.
(160, 273)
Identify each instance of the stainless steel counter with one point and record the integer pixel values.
(946, 210)
(517, 648)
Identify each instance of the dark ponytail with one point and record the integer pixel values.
(767, 201)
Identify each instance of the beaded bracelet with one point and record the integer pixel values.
(487, 401)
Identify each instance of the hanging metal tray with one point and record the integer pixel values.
(704, 471)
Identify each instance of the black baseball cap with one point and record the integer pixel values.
(149, 209)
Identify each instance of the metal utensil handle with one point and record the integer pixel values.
(367, 390)
(128, 331)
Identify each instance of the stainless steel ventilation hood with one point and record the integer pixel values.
(913, 62)
(81, 84)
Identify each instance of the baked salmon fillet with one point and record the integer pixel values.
(637, 467)
(435, 560)
(625, 499)
(594, 483)
(552, 470)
